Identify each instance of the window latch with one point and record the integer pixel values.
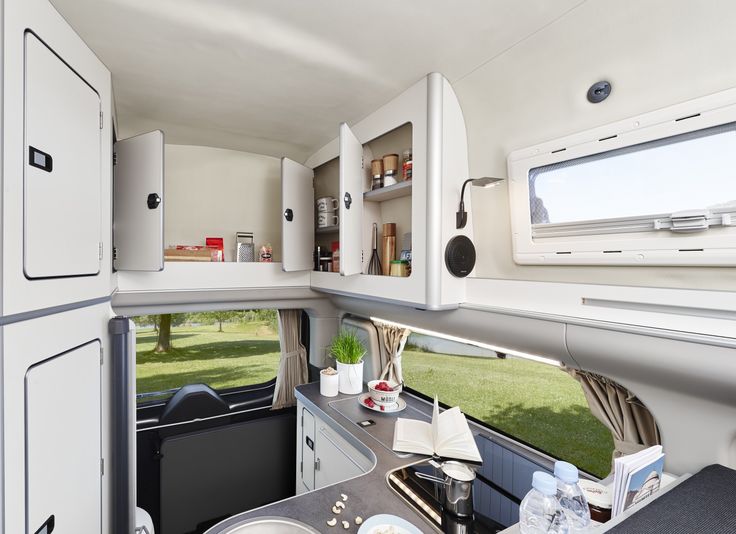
(690, 221)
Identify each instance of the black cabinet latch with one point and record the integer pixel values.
(153, 201)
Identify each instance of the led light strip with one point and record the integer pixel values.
(417, 500)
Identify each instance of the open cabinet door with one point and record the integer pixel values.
(297, 201)
(351, 202)
(138, 213)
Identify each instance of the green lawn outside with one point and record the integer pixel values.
(534, 402)
(245, 353)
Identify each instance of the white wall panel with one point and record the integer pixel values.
(655, 53)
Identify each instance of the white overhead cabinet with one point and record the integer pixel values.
(427, 120)
(61, 202)
(56, 163)
(350, 202)
(138, 212)
(297, 192)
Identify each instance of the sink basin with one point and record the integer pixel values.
(271, 525)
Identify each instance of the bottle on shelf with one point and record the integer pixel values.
(571, 496)
(406, 166)
(540, 511)
(388, 248)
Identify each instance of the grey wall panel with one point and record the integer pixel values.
(687, 386)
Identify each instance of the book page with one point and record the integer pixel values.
(456, 440)
(414, 436)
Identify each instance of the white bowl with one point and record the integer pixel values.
(383, 397)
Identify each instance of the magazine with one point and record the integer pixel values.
(636, 477)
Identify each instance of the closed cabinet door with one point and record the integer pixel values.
(351, 202)
(297, 223)
(138, 210)
(307, 447)
(62, 173)
(63, 443)
(333, 463)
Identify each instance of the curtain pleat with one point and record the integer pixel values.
(293, 369)
(392, 340)
(632, 425)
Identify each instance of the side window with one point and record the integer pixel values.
(223, 349)
(528, 398)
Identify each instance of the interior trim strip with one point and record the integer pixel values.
(690, 337)
(35, 314)
(711, 313)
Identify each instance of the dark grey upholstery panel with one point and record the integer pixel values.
(703, 503)
(223, 471)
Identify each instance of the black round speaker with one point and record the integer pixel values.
(460, 256)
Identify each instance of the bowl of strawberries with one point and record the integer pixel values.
(384, 392)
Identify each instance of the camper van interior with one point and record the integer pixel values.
(367, 267)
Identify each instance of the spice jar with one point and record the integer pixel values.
(265, 254)
(376, 174)
(406, 166)
(400, 268)
(390, 169)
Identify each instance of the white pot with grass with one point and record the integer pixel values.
(348, 351)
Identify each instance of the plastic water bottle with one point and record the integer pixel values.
(540, 512)
(571, 497)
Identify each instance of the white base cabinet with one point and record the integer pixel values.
(324, 457)
(54, 419)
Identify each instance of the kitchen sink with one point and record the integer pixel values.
(271, 525)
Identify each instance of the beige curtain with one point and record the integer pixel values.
(293, 369)
(391, 340)
(631, 423)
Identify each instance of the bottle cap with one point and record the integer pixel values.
(544, 483)
(566, 472)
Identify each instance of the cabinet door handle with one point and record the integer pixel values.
(348, 200)
(153, 201)
(289, 215)
(316, 464)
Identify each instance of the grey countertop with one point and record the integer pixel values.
(368, 494)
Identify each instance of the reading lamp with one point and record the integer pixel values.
(461, 217)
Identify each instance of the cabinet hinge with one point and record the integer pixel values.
(301, 467)
(100, 249)
(100, 120)
(114, 158)
(102, 353)
(102, 466)
(114, 253)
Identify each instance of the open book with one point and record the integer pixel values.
(448, 436)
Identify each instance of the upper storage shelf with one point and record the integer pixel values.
(402, 189)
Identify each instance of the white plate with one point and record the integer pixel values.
(401, 526)
(387, 408)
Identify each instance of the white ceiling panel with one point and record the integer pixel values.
(277, 77)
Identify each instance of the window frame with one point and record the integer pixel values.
(714, 247)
